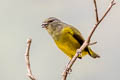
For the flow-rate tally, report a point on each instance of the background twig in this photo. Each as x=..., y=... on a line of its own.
x=92, y=43
x=27, y=60
x=85, y=44
x=96, y=11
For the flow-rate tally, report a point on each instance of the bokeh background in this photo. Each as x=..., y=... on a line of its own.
x=21, y=19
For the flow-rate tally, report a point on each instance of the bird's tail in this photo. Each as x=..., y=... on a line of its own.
x=92, y=53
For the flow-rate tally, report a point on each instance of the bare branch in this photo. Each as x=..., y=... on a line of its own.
x=96, y=25
x=96, y=11
x=29, y=74
x=92, y=43
x=85, y=44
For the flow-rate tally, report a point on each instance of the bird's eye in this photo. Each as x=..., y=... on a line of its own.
x=50, y=21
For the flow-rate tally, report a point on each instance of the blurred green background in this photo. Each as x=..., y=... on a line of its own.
x=21, y=19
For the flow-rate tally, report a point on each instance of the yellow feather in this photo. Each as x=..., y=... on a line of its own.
x=67, y=43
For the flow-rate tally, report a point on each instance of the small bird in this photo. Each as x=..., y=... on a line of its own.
x=67, y=37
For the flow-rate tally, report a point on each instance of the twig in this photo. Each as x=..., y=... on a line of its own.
x=85, y=44
x=96, y=25
x=29, y=74
x=96, y=11
x=92, y=43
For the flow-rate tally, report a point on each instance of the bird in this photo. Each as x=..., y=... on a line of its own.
x=67, y=38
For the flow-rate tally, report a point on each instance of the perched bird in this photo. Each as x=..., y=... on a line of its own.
x=66, y=37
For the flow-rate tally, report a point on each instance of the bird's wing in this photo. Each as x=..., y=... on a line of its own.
x=74, y=32
x=77, y=35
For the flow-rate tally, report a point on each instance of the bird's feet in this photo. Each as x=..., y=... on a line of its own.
x=79, y=53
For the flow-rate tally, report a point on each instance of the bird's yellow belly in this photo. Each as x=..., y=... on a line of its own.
x=68, y=45
x=67, y=48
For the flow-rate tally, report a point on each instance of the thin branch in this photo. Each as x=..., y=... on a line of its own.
x=96, y=25
x=29, y=72
x=85, y=44
x=96, y=11
x=92, y=43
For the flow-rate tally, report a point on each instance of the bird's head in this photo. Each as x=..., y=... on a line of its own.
x=52, y=24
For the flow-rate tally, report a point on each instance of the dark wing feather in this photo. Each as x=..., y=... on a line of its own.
x=77, y=35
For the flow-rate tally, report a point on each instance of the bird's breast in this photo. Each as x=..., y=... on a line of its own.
x=67, y=43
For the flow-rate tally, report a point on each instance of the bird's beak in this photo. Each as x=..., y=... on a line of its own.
x=44, y=25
